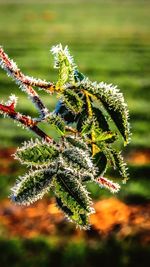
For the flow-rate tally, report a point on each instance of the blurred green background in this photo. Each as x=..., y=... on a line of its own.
x=110, y=41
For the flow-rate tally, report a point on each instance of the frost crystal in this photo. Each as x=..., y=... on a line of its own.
x=85, y=146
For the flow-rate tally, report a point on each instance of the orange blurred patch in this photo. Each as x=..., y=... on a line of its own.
x=48, y=15
x=114, y=215
x=139, y=157
x=44, y=218
x=7, y=160
x=109, y=212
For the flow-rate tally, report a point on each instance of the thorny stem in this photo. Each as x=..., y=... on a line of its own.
x=104, y=182
x=26, y=121
x=70, y=129
x=69, y=162
x=25, y=82
x=11, y=66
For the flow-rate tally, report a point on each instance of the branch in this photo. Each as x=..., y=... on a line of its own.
x=36, y=100
x=106, y=183
x=70, y=129
x=27, y=121
x=12, y=70
x=25, y=82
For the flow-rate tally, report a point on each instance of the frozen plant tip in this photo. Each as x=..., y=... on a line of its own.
x=104, y=182
x=86, y=146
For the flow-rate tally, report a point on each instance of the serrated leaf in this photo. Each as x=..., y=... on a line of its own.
x=80, y=119
x=65, y=63
x=87, y=127
x=64, y=72
x=113, y=102
x=57, y=121
x=32, y=186
x=78, y=76
x=78, y=157
x=64, y=208
x=64, y=112
x=77, y=142
x=72, y=101
x=72, y=186
x=105, y=136
x=120, y=164
x=73, y=196
x=37, y=154
x=100, y=118
x=100, y=160
x=107, y=151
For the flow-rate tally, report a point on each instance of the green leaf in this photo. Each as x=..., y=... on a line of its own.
x=78, y=76
x=38, y=153
x=87, y=127
x=105, y=136
x=100, y=118
x=65, y=63
x=86, y=176
x=72, y=101
x=32, y=186
x=81, y=118
x=107, y=151
x=64, y=208
x=63, y=74
x=77, y=142
x=73, y=196
x=58, y=122
x=78, y=158
x=100, y=160
x=120, y=164
x=113, y=102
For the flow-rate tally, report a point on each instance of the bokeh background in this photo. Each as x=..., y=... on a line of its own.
x=110, y=40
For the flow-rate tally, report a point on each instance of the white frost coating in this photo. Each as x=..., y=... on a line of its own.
x=23, y=81
x=61, y=54
x=12, y=100
x=106, y=183
x=111, y=94
x=29, y=145
x=35, y=191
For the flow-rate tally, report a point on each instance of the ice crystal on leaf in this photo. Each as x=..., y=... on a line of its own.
x=86, y=146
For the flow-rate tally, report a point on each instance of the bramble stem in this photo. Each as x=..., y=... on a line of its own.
x=16, y=73
x=25, y=120
x=104, y=182
x=25, y=82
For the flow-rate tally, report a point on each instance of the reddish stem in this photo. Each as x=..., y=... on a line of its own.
x=16, y=73
x=26, y=121
x=104, y=182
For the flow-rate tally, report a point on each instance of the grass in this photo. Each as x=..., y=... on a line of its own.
x=42, y=252
x=109, y=40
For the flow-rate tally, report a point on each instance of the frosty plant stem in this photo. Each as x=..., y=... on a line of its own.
x=26, y=121
x=86, y=146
